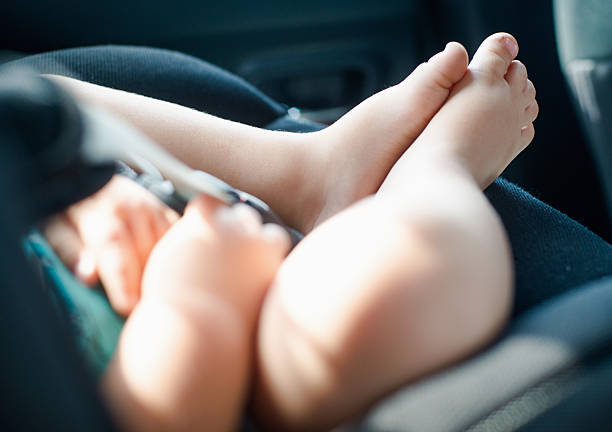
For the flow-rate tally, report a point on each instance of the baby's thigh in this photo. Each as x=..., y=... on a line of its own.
x=361, y=306
x=346, y=282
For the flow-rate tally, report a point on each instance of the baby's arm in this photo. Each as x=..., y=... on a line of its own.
x=185, y=353
x=278, y=167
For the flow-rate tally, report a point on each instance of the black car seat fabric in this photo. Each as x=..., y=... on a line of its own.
x=553, y=254
x=584, y=36
x=45, y=385
x=162, y=74
x=57, y=174
x=546, y=357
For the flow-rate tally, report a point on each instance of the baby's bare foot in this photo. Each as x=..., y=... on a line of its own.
x=360, y=148
x=486, y=122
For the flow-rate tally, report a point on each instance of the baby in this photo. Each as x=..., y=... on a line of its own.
x=405, y=267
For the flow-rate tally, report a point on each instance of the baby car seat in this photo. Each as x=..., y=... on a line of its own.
x=550, y=370
x=45, y=385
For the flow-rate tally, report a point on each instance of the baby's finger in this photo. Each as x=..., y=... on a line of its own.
x=85, y=269
x=65, y=240
x=170, y=215
x=143, y=233
x=162, y=221
x=120, y=272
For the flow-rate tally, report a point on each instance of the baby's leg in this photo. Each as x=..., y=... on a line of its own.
x=184, y=357
x=406, y=281
x=362, y=146
x=296, y=174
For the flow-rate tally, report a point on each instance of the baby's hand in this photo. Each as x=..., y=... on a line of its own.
x=219, y=253
x=109, y=237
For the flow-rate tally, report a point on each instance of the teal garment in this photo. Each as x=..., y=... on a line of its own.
x=97, y=326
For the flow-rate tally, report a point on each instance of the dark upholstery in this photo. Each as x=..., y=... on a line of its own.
x=552, y=253
x=162, y=74
x=45, y=385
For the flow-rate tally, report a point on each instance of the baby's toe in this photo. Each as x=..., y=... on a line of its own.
x=529, y=91
x=495, y=54
x=527, y=134
x=517, y=76
x=531, y=112
x=448, y=66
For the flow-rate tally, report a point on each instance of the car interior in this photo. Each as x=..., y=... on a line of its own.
x=551, y=369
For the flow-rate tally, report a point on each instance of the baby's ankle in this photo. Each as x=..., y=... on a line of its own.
x=310, y=179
